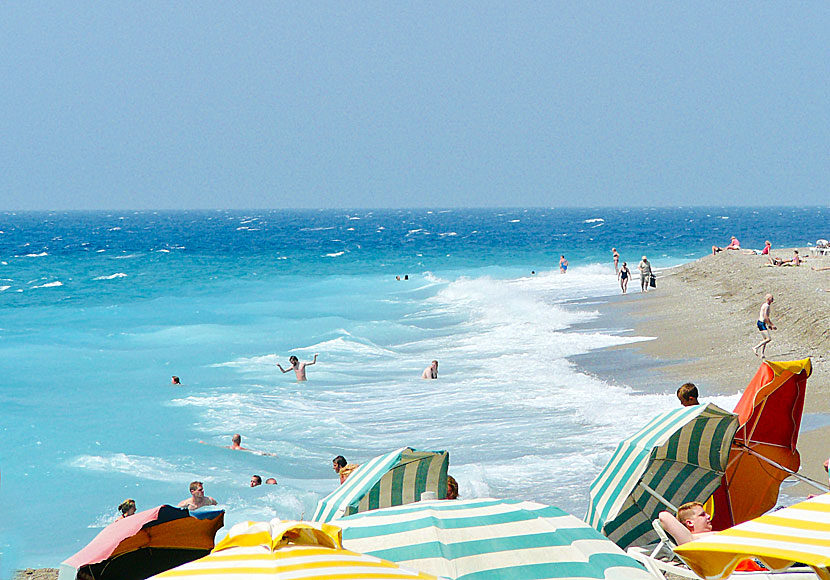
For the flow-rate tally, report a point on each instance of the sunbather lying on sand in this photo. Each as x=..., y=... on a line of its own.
x=794, y=261
x=733, y=245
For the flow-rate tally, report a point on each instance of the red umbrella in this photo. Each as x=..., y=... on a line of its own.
x=763, y=451
x=144, y=544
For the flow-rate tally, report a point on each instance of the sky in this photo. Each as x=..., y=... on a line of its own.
x=242, y=105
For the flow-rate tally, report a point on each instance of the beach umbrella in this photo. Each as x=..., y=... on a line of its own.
x=288, y=550
x=489, y=539
x=396, y=478
x=799, y=533
x=763, y=451
x=679, y=456
x=145, y=543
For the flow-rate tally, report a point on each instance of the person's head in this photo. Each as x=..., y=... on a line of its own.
x=767, y=243
x=270, y=481
x=338, y=463
x=694, y=517
x=734, y=238
x=256, y=480
x=175, y=380
x=406, y=276
x=795, y=251
x=293, y=360
x=127, y=507
x=768, y=299
x=452, y=488
x=645, y=259
x=613, y=249
x=236, y=439
x=625, y=264
x=434, y=365
x=561, y=257
x=197, y=489
x=687, y=393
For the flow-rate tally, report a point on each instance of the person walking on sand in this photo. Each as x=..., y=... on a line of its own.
x=764, y=326
x=431, y=372
x=298, y=367
x=616, y=257
x=645, y=274
x=624, y=275
x=563, y=265
x=197, y=497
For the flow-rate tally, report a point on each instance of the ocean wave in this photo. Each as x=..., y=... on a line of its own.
x=4, y=288
x=40, y=255
x=49, y=285
x=334, y=254
x=111, y=276
x=514, y=221
x=450, y=234
x=320, y=229
x=593, y=220
x=141, y=466
x=125, y=257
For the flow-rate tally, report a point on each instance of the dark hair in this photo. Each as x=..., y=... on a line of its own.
x=452, y=488
x=293, y=359
x=125, y=506
x=339, y=460
x=258, y=478
x=195, y=484
x=687, y=391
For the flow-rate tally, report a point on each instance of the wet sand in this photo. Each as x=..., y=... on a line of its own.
x=702, y=317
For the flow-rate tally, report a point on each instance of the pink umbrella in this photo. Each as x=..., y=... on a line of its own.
x=144, y=544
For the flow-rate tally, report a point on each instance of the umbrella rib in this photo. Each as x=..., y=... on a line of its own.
x=659, y=497
x=803, y=478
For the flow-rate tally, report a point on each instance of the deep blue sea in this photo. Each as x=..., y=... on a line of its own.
x=98, y=311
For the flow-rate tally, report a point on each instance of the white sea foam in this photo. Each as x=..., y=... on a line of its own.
x=143, y=467
x=335, y=254
x=111, y=276
x=593, y=220
x=514, y=221
x=40, y=255
x=4, y=288
x=49, y=285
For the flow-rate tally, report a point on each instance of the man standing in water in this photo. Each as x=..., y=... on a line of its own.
x=431, y=372
x=298, y=367
x=764, y=326
x=197, y=497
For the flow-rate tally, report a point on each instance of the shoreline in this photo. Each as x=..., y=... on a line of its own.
x=701, y=320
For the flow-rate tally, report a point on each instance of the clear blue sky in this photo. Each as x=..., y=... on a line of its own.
x=406, y=104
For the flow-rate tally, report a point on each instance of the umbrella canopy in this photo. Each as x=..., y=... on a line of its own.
x=769, y=415
x=489, y=539
x=677, y=457
x=396, y=478
x=799, y=533
x=288, y=550
x=145, y=543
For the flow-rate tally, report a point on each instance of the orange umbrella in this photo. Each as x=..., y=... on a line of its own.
x=763, y=451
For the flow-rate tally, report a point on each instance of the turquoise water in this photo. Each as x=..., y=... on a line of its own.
x=98, y=310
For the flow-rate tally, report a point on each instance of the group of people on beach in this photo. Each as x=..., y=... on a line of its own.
x=647, y=278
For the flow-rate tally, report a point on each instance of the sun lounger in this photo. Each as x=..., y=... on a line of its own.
x=822, y=248
x=661, y=560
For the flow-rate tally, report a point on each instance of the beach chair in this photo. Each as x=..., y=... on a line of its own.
x=672, y=564
x=822, y=248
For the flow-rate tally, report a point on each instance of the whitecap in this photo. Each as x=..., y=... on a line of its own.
x=49, y=285
x=354, y=218
x=164, y=251
x=140, y=466
x=321, y=229
x=514, y=221
x=593, y=220
x=335, y=254
x=40, y=255
x=115, y=229
x=111, y=276
x=4, y=288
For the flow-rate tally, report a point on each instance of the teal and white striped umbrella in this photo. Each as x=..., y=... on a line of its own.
x=489, y=539
x=397, y=478
x=677, y=457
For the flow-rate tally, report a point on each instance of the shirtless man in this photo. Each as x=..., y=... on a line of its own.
x=236, y=443
x=197, y=497
x=298, y=367
x=764, y=326
x=692, y=522
x=431, y=372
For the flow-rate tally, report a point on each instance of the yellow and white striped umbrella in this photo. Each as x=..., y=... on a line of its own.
x=288, y=550
x=799, y=533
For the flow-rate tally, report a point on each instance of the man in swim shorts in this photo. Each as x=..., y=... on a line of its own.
x=563, y=264
x=764, y=326
x=298, y=367
x=197, y=497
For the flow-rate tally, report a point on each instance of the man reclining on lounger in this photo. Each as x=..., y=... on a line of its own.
x=692, y=522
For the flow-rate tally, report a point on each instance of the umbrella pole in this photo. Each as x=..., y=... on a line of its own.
x=659, y=497
x=798, y=476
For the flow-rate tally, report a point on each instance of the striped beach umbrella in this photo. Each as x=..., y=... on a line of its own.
x=396, y=478
x=799, y=533
x=679, y=456
x=489, y=539
x=288, y=550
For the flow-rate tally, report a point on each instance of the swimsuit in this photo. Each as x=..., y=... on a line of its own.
x=623, y=275
x=761, y=325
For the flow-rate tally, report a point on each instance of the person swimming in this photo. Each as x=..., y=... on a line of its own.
x=298, y=367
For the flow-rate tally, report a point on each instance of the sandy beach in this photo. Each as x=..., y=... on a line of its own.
x=702, y=317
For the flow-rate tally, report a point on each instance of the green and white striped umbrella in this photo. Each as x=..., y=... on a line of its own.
x=489, y=539
x=677, y=457
x=396, y=478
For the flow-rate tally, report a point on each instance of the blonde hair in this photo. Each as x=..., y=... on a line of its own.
x=686, y=510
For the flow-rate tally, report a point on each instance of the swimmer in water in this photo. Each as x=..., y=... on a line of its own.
x=298, y=367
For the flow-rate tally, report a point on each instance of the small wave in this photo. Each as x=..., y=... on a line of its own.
x=40, y=255
x=321, y=229
x=164, y=251
x=115, y=229
x=514, y=221
x=152, y=468
x=335, y=254
x=49, y=285
x=246, y=228
x=124, y=257
x=593, y=220
x=448, y=234
x=354, y=218
x=4, y=288
x=111, y=276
